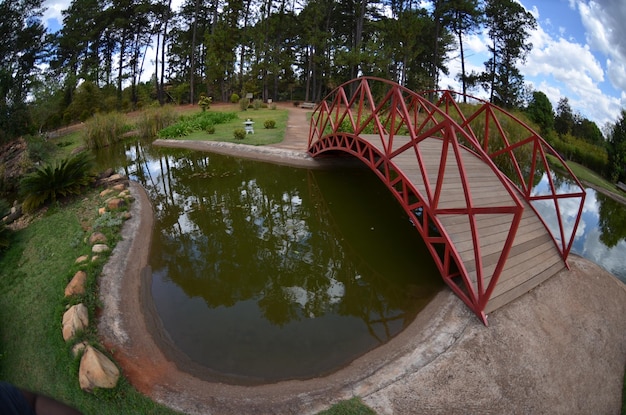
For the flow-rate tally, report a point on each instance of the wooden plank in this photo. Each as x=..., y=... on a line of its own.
x=533, y=257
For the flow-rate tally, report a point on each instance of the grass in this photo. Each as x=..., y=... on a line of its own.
x=33, y=274
x=261, y=136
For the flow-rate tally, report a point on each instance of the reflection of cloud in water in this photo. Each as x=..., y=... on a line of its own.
x=334, y=294
x=611, y=259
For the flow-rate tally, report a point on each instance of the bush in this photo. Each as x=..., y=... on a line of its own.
x=204, y=102
x=47, y=183
x=269, y=124
x=5, y=237
x=204, y=121
x=102, y=130
x=239, y=133
x=38, y=148
x=234, y=98
x=154, y=120
x=244, y=103
x=272, y=106
x=256, y=104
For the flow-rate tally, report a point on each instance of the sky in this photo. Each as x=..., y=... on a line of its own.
x=579, y=52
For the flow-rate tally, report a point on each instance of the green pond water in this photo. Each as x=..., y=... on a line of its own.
x=264, y=272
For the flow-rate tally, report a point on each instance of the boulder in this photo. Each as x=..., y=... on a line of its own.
x=102, y=211
x=81, y=259
x=119, y=187
x=77, y=285
x=97, y=371
x=115, y=203
x=106, y=192
x=78, y=348
x=97, y=237
x=99, y=248
x=74, y=320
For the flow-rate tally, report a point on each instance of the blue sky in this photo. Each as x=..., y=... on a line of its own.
x=579, y=52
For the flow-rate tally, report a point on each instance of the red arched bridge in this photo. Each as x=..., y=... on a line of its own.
x=467, y=176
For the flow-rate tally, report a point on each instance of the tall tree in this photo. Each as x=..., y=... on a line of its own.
x=540, y=111
x=564, y=119
x=509, y=27
x=466, y=18
x=616, y=149
x=21, y=48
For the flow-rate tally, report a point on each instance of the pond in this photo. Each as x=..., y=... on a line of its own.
x=264, y=272
x=601, y=234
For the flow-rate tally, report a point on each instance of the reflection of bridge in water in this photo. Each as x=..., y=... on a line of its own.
x=464, y=177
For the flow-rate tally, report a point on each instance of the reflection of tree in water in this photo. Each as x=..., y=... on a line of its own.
x=232, y=230
x=612, y=220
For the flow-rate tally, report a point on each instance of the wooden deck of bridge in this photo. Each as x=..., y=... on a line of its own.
x=533, y=257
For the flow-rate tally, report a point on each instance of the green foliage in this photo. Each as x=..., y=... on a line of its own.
x=38, y=148
x=589, y=155
x=5, y=237
x=256, y=104
x=202, y=121
x=244, y=103
x=353, y=406
x=269, y=124
x=234, y=98
x=617, y=150
x=47, y=183
x=154, y=120
x=107, y=220
x=102, y=130
x=205, y=102
x=239, y=133
x=540, y=111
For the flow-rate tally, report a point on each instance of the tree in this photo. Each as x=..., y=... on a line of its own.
x=466, y=18
x=564, y=120
x=616, y=149
x=540, y=111
x=509, y=27
x=21, y=48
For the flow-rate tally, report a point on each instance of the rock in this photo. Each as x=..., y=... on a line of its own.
x=107, y=173
x=106, y=192
x=81, y=259
x=99, y=248
x=124, y=194
x=78, y=348
x=126, y=215
x=102, y=211
x=97, y=237
x=119, y=187
x=115, y=203
x=97, y=371
x=74, y=320
x=77, y=284
x=95, y=258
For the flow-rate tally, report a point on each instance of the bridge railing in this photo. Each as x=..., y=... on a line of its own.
x=391, y=114
x=526, y=159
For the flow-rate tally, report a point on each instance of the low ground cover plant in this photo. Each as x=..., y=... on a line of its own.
x=203, y=121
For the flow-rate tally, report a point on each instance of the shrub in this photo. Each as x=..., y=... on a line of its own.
x=5, y=236
x=103, y=130
x=47, y=183
x=244, y=103
x=210, y=129
x=204, y=102
x=272, y=106
x=204, y=121
x=269, y=124
x=38, y=148
x=239, y=133
x=155, y=119
x=256, y=104
x=234, y=98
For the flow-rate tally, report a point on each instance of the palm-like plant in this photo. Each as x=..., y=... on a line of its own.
x=47, y=183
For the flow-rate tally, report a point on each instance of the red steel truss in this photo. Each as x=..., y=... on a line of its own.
x=400, y=120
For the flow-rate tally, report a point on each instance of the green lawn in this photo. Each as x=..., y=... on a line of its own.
x=261, y=136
